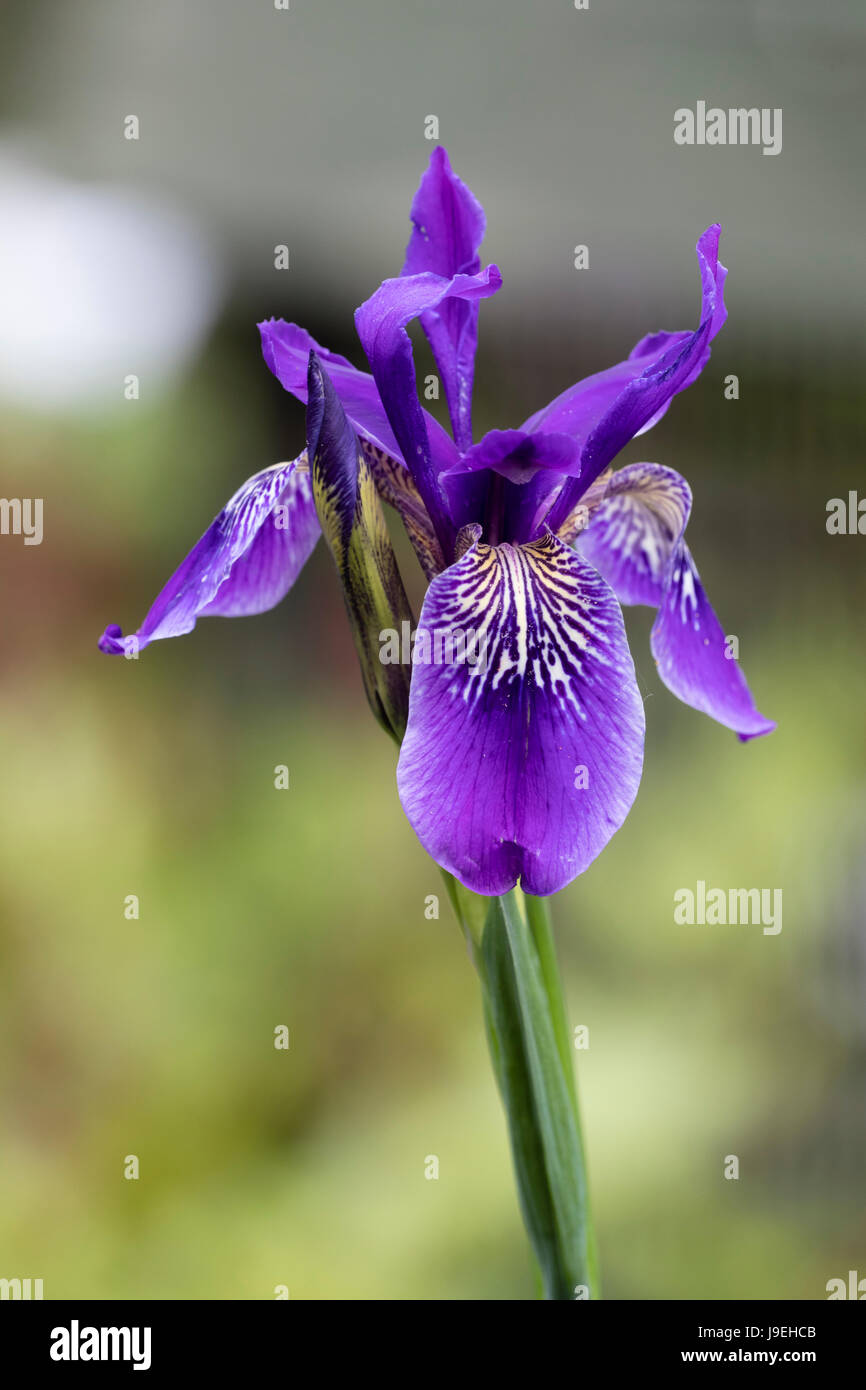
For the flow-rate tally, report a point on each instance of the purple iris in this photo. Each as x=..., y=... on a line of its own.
x=522, y=767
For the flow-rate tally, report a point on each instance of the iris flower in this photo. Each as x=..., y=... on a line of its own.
x=518, y=769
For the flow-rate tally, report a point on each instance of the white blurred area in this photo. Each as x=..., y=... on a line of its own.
x=97, y=282
x=305, y=127
x=264, y=130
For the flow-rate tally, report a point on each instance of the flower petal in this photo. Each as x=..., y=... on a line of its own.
x=518, y=454
x=381, y=322
x=246, y=561
x=693, y=658
x=606, y=411
x=532, y=465
x=579, y=517
x=286, y=349
x=635, y=540
x=524, y=765
x=634, y=528
x=448, y=226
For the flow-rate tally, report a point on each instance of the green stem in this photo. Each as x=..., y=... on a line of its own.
x=512, y=946
x=538, y=917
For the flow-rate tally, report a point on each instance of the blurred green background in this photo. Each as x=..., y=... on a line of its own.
x=305, y=907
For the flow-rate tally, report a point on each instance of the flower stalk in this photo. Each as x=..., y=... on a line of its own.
x=512, y=946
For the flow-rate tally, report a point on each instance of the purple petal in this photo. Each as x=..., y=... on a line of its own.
x=447, y=230
x=634, y=529
x=635, y=540
x=286, y=349
x=448, y=223
x=578, y=409
x=531, y=464
x=524, y=765
x=246, y=561
x=381, y=322
x=579, y=517
x=518, y=454
x=690, y=648
x=606, y=411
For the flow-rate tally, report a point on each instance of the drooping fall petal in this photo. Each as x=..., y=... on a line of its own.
x=694, y=656
x=635, y=540
x=246, y=561
x=523, y=764
x=633, y=530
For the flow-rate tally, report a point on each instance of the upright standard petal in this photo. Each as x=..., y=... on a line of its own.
x=606, y=411
x=246, y=561
x=521, y=764
x=578, y=409
x=448, y=226
x=382, y=321
x=635, y=540
x=286, y=349
x=356, y=535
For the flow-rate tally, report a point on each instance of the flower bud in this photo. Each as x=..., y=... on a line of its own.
x=354, y=528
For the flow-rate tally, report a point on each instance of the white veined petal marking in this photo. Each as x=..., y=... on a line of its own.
x=533, y=627
x=645, y=511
